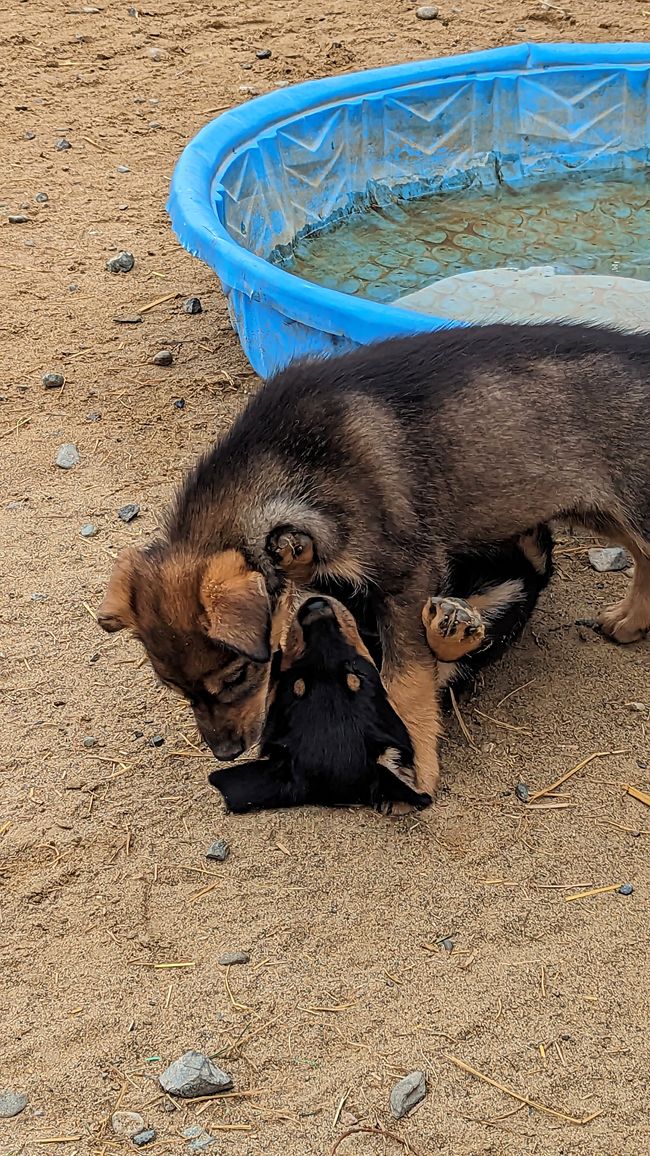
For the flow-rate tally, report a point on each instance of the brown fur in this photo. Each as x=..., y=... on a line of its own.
x=388, y=460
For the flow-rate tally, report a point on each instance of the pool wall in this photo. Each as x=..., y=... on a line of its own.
x=284, y=163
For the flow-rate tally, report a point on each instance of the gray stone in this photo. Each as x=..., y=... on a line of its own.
x=427, y=12
x=38, y=597
x=11, y=1103
x=128, y=319
x=610, y=558
x=625, y=889
x=219, y=850
x=123, y=169
x=88, y=530
x=264, y=54
x=127, y=1123
x=67, y=456
x=128, y=513
x=406, y=1094
x=62, y=145
x=198, y=1137
x=637, y=707
x=18, y=218
x=194, y=1074
x=53, y=380
x=156, y=741
x=29, y=135
x=193, y=305
x=522, y=792
x=121, y=263
x=42, y=198
x=144, y=1137
x=163, y=357
x=234, y=957
x=89, y=742
x=156, y=54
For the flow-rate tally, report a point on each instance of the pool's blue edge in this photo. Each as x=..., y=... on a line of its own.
x=202, y=234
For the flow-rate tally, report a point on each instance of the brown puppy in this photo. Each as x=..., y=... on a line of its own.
x=370, y=470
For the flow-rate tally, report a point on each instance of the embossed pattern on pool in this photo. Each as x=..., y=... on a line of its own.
x=582, y=224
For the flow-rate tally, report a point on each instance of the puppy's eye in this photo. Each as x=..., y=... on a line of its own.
x=299, y=687
x=237, y=678
x=353, y=681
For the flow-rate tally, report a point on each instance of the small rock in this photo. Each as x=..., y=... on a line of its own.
x=144, y=1137
x=121, y=263
x=156, y=741
x=406, y=1094
x=156, y=54
x=53, y=380
x=163, y=357
x=67, y=456
x=447, y=944
x=248, y=90
x=36, y=597
x=522, y=792
x=18, y=218
x=127, y=1123
x=193, y=305
x=88, y=530
x=625, y=889
x=11, y=1103
x=219, y=850
x=42, y=198
x=194, y=1074
x=198, y=1137
x=427, y=12
x=62, y=145
x=637, y=707
x=93, y=417
x=609, y=559
x=123, y=169
x=264, y=54
x=89, y=742
x=129, y=512
x=29, y=136
x=128, y=319
x=179, y=403
x=234, y=957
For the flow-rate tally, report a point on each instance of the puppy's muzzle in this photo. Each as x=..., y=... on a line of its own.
x=315, y=610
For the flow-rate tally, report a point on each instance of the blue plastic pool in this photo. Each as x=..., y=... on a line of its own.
x=274, y=170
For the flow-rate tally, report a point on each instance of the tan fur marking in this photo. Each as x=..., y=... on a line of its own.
x=529, y=545
x=115, y=612
x=236, y=603
x=391, y=760
x=353, y=681
x=299, y=687
x=413, y=693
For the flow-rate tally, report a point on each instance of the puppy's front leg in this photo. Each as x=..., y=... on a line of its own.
x=409, y=675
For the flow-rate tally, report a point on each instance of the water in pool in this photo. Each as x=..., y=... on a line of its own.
x=580, y=225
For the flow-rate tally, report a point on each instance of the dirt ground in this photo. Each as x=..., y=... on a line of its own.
x=103, y=869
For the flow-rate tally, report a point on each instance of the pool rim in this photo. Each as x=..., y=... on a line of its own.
x=193, y=190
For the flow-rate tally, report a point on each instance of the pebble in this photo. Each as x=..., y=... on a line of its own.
x=88, y=530
x=522, y=792
x=219, y=850
x=89, y=742
x=18, y=218
x=121, y=263
x=144, y=1137
x=29, y=136
x=426, y=12
x=193, y=305
x=123, y=169
x=179, y=403
x=194, y=1074
x=42, y=198
x=638, y=707
x=62, y=145
x=264, y=54
x=198, y=1137
x=67, y=456
x=53, y=380
x=127, y=1123
x=128, y=319
x=407, y=1094
x=36, y=597
x=625, y=889
x=128, y=513
x=156, y=54
x=74, y=288
x=156, y=741
x=93, y=417
x=11, y=1103
x=609, y=559
x=234, y=957
x=163, y=357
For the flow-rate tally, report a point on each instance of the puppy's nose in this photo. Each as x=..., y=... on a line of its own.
x=313, y=610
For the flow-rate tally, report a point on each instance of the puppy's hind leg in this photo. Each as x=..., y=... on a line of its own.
x=629, y=619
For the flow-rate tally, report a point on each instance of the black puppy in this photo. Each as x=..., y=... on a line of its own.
x=331, y=737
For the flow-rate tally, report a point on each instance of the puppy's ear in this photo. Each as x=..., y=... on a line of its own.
x=236, y=606
x=117, y=611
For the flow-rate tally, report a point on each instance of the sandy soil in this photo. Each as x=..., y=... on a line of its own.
x=102, y=848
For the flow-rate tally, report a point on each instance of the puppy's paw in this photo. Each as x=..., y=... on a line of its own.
x=623, y=622
x=453, y=628
x=292, y=552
